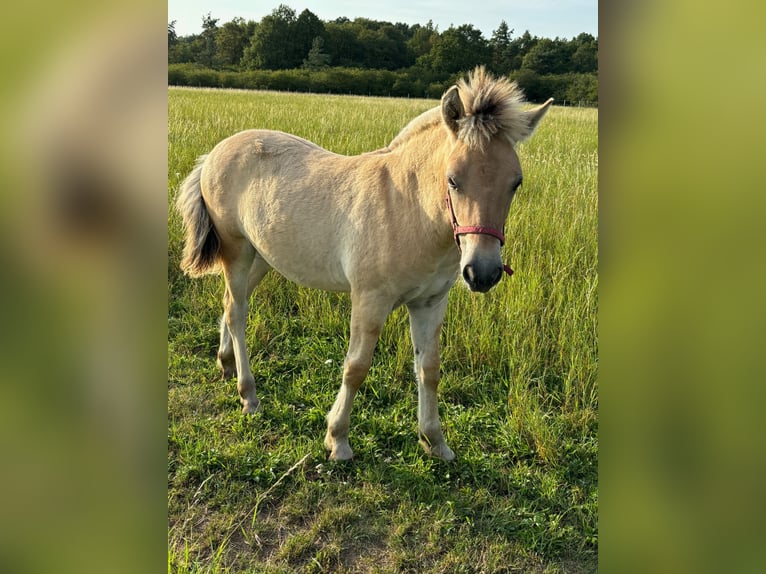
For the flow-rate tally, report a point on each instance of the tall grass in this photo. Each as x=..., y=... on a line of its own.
x=518, y=397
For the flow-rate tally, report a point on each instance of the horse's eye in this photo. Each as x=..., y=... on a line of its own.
x=517, y=184
x=451, y=183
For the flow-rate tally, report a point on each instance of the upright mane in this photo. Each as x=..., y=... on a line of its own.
x=424, y=121
x=493, y=106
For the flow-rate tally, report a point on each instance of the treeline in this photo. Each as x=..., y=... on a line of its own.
x=300, y=52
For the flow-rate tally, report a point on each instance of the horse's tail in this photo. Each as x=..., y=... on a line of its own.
x=203, y=245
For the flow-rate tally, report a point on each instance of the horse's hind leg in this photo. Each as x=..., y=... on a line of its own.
x=226, y=359
x=236, y=269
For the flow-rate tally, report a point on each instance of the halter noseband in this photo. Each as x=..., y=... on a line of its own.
x=458, y=230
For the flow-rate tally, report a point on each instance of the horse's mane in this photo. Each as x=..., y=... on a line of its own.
x=422, y=122
x=493, y=106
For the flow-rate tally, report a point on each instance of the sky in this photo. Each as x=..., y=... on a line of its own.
x=543, y=18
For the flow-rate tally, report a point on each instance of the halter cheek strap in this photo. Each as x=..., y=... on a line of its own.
x=458, y=230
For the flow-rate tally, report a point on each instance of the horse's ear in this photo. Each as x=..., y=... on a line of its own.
x=532, y=118
x=452, y=108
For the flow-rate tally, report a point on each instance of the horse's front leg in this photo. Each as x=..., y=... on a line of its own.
x=368, y=313
x=425, y=326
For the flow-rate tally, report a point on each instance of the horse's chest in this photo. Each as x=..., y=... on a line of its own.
x=430, y=290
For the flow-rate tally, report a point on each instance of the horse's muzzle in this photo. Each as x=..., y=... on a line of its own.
x=480, y=277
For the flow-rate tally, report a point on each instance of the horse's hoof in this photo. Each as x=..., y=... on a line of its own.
x=441, y=451
x=445, y=453
x=338, y=450
x=251, y=407
x=342, y=454
x=227, y=372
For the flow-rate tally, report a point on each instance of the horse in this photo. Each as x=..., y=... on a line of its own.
x=393, y=227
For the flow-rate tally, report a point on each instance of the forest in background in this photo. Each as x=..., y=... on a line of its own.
x=299, y=52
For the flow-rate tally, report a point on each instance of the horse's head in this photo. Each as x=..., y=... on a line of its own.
x=482, y=171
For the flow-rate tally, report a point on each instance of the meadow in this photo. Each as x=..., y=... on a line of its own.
x=518, y=395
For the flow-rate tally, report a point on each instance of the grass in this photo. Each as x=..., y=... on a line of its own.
x=518, y=399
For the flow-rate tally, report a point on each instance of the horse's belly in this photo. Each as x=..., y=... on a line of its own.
x=307, y=266
x=315, y=278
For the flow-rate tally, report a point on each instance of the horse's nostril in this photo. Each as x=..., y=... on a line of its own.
x=468, y=274
x=482, y=279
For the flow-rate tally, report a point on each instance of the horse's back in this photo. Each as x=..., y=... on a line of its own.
x=254, y=153
x=256, y=169
x=285, y=195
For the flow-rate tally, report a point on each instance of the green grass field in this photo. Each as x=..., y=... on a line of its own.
x=518, y=398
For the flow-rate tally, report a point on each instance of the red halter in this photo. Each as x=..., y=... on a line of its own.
x=458, y=230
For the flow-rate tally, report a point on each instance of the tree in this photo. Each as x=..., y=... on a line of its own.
x=548, y=57
x=172, y=36
x=383, y=47
x=317, y=57
x=306, y=29
x=520, y=46
x=271, y=45
x=457, y=50
x=396, y=54
x=503, y=55
x=585, y=56
x=231, y=40
x=209, y=30
x=583, y=88
x=422, y=39
x=425, y=61
x=529, y=81
x=342, y=43
x=183, y=49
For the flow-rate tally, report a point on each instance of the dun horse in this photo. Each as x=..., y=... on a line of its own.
x=382, y=226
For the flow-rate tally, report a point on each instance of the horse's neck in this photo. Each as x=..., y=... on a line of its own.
x=421, y=158
x=423, y=122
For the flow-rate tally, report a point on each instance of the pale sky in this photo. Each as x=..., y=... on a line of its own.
x=543, y=18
